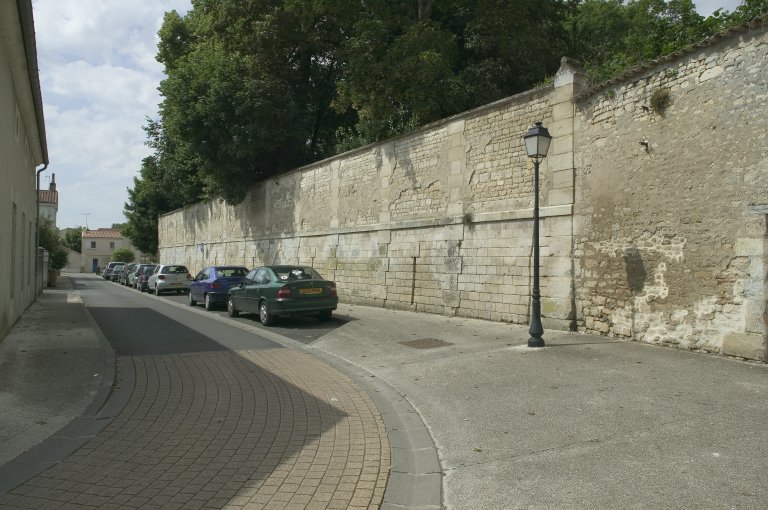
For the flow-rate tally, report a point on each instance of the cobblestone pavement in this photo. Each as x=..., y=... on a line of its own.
x=267, y=428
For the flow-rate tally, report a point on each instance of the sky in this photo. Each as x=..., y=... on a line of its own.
x=99, y=80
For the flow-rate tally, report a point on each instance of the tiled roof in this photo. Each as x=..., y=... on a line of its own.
x=48, y=196
x=106, y=233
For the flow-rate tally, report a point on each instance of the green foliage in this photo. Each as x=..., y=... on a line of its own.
x=72, y=239
x=123, y=255
x=50, y=241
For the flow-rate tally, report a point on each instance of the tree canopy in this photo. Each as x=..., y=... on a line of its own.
x=52, y=242
x=72, y=239
x=123, y=255
x=258, y=87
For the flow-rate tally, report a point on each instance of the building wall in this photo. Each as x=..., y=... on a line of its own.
x=102, y=252
x=18, y=200
x=664, y=245
x=48, y=211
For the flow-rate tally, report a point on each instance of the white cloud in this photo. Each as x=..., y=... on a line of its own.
x=99, y=81
x=707, y=7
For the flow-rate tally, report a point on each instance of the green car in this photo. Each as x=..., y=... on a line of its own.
x=275, y=291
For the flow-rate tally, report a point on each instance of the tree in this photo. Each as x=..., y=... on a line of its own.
x=123, y=255
x=51, y=242
x=72, y=239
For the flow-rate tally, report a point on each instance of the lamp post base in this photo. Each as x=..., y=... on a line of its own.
x=535, y=342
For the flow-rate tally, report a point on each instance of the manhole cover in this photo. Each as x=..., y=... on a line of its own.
x=426, y=343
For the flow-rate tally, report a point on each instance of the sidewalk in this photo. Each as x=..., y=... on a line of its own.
x=587, y=422
x=54, y=368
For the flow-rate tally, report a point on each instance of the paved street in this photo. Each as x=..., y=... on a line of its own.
x=217, y=418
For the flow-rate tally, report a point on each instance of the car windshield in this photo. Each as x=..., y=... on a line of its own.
x=149, y=270
x=227, y=272
x=296, y=273
x=174, y=270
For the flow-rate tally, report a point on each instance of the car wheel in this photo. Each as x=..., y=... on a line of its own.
x=231, y=310
x=190, y=301
x=208, y=303
x=325, y=315
x=266, y=318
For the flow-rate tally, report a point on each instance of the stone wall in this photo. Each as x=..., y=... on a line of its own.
x=671, y=238
x=653, y=220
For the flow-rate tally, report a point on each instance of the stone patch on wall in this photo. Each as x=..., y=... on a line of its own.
x=662, y=203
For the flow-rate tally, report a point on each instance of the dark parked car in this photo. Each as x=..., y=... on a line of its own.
x=122, y=279
x=212, y=284
x=116, y=272
x=143, y=276
x=107, y=273
x=283, y=290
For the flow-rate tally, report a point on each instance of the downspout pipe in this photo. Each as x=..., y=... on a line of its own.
x=38, y=269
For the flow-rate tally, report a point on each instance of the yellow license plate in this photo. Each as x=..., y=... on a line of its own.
x=310, y=291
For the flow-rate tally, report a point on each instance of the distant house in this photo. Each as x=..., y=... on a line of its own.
x=22, y=148
x=48, y=201
x=97, y=246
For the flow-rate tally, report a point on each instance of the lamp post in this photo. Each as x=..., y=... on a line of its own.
x=536, y=146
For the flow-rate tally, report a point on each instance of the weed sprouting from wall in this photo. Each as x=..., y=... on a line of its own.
x=660, y=100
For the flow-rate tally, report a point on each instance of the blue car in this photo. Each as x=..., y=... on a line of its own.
x=212, y=284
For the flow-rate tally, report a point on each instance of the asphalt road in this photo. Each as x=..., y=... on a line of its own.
x=304, y=329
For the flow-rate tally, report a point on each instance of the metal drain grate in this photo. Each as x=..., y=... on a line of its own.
x=426, y=343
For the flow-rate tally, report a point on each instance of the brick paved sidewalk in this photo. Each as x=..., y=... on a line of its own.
x=268, y=428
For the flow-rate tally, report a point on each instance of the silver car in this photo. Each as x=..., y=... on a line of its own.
x=169, y=278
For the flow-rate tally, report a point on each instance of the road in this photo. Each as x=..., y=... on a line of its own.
x=214, y=415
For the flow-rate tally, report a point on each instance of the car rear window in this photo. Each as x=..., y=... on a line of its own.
x=174, y=270
x=297, y=273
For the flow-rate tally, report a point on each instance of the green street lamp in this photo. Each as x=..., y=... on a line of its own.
x=536, y=146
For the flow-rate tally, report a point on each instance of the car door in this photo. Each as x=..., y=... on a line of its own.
x=264, y=281
x=197, y=288
x=241, y=296
x=153, y=277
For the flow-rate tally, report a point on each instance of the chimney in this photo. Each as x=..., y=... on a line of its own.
x=52, y=187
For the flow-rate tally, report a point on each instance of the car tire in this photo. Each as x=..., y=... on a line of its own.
x=208, y=303
x=190, y=301
x=325, y=315
x=231, y=310
x=267, y=319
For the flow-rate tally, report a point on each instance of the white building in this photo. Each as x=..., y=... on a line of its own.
x=97, y=246
x=23, y=148
x=48, y=201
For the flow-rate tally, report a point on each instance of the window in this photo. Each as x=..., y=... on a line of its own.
x=17, y=128
x=111, y=245
x=262, y=277
x=13, y=252
x=93, y=245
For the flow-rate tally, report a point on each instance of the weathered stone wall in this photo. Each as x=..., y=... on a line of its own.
x=671, y=239
x=437, y=221
x=663, y=241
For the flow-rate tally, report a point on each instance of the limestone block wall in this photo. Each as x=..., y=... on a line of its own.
x=670, y=201
x=654, y=198
x=419, y=222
